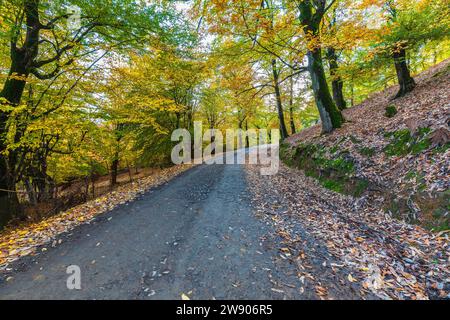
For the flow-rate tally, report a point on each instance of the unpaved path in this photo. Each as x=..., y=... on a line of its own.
x=196, y=235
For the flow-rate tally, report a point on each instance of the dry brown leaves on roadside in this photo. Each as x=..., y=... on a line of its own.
x=388, y=258
x=24, y=241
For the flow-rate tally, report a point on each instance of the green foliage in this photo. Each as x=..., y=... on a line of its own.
x=391, y=111
x=333, y=185
x=415, y=24
x=74, y=119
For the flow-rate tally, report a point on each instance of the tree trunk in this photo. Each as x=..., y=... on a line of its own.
x=130, y=175
x=406, y=82
x=336, y=81
x=291, y=107
x=12, y=92
x=21, y=61
x=14, y=87
x=213, y=140
x=352, y=94
x=9, y=202
x=114, y=170
x=330, y=115
x=283, y=129
x=5, y=213
x=93, y=186
x=247, y=138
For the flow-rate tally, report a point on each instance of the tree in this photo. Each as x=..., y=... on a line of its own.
x=253, y=27
x=291, y=106
x=235, y=74
x=312, y=13
x=408, y=25
x=276, y=84
x=337, y=84
x=151, y=96
x=43, y=45
x=405, y=81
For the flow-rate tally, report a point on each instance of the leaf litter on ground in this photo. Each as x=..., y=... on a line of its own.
x=388, y=258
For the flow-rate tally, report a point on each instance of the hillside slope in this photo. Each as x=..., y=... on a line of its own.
x=399, y=160
x=341, y=203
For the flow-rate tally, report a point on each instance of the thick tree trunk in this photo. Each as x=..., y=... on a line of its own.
x=330, y=115
x=336, y=82
x=213, y=143
x=9, y=203
x=14, y=87
x=311, y=19
x=12, y=93
x=406, y=82
x=22, y=59
x=283, y=129
x=21, y=63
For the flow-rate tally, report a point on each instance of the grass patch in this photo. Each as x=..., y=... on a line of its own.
x=403, y=143
x=333, y=185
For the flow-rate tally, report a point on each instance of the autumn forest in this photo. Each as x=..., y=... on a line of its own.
x=92, y=90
